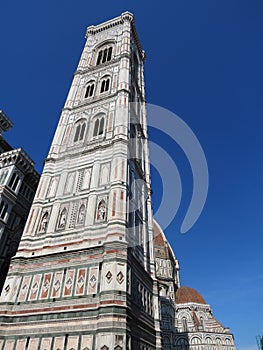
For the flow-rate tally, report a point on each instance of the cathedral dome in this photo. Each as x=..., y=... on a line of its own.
x=161, y=244
x=159, y=237
x=188, y=295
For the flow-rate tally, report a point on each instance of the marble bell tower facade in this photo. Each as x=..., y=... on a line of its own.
x=83, y=277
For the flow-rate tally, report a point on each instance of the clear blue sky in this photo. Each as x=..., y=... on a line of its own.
x=204, y=63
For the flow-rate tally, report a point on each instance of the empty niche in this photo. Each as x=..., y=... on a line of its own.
x=69, y=183
x=86, y=179
x=52, y=187
x=104, y=174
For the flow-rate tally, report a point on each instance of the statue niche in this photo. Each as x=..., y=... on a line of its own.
x=62, y=219
x=44, y=222
x=101, y=211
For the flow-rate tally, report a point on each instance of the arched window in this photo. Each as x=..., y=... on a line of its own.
x=98, y=126
x=104, y=55
x=77, y=132
x=182, y=344
x=80, y=129
x=90, y=89
x=105, y=85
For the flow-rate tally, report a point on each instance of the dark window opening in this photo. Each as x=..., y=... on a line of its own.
x=98, y=127
x=14, y=181
x=105, y=85
x=3, y=210
x=77, y=133
x=101, y=126
x=89, y=90
x=80, y=132
x=104, y=55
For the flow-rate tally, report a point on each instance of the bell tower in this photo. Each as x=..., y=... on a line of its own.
x=83, y=277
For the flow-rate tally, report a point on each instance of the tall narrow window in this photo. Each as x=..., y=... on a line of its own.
x=98, y=126
x=101, y=129
x=104, y=55
x=3, y=210
x=80, y=129
x=14, y=181
x=76, y=138
x=89, y=89
x=99, y=59
x=105, y=85
x=83, y=127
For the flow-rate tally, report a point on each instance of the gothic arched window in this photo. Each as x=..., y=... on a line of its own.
x=98, y=126
x=105, y=85
x=80, y=129
x=90, y=89
x=104, y=55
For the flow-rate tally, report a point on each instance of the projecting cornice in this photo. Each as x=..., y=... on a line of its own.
x=125, y=16
x=19, y=158
x=5, y=122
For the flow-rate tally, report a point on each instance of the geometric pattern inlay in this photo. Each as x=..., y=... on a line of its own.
x=109, y=276
x=120, y=277
x=93, y=280
x=57, y=285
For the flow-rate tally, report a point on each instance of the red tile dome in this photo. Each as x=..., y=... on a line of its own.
x=188, y=295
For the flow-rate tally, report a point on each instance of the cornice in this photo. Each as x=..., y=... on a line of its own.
x=19, y=158
x=94, y=29
x=5, y=122
x=124, y=17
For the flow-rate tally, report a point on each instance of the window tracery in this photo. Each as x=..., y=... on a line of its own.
x=99, y=126
x=90, y=89
x=80, y=129
x=104, y=55
x=105, y=85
